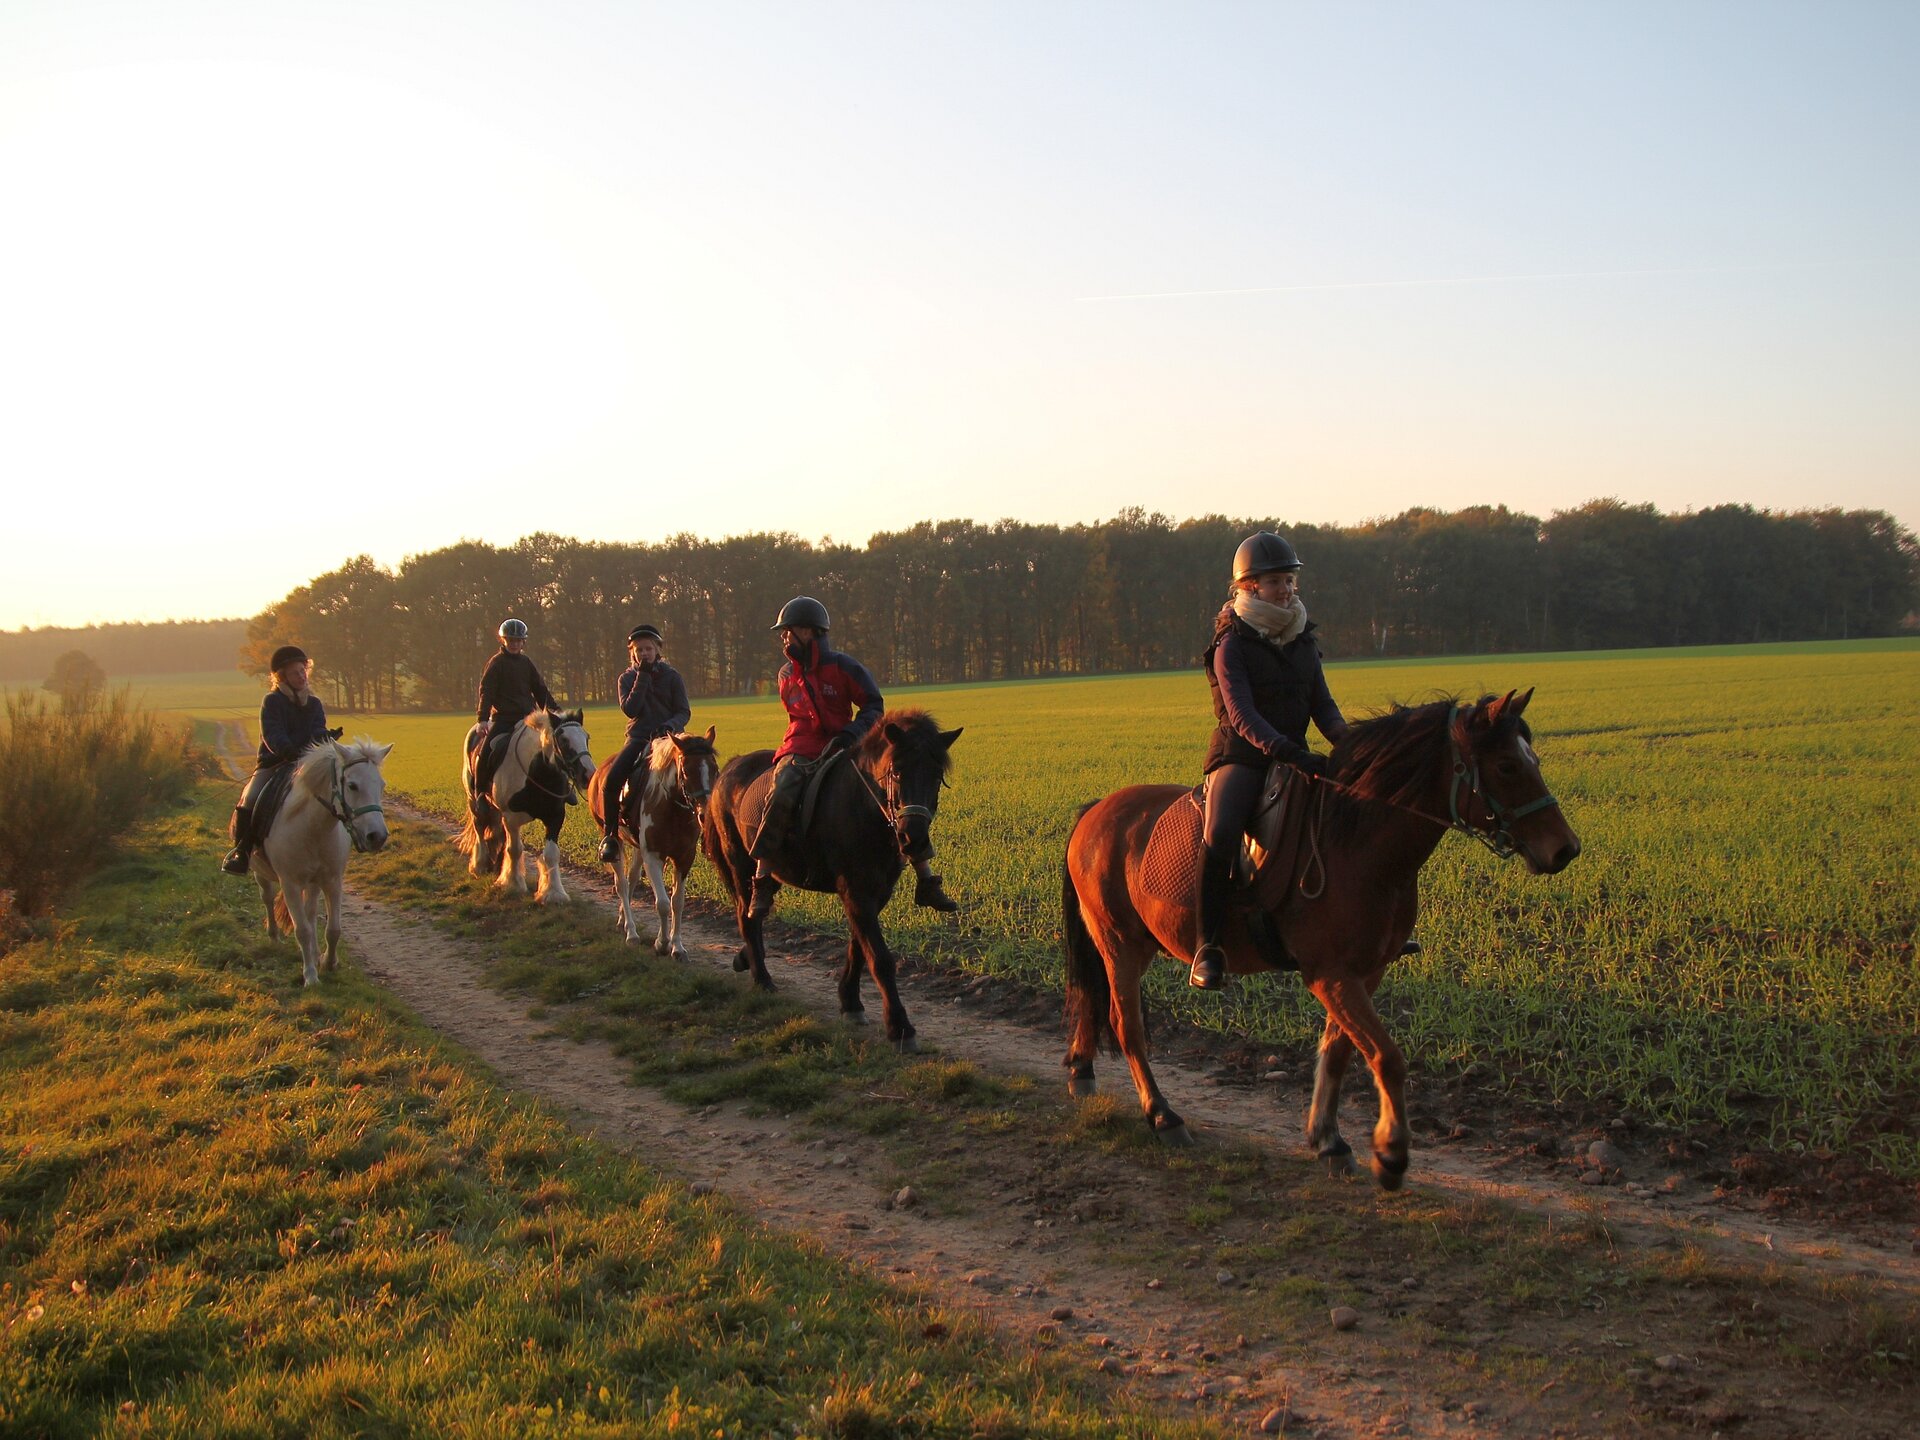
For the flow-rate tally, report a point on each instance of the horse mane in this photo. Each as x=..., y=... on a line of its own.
x=920, y=739
x=312, y=771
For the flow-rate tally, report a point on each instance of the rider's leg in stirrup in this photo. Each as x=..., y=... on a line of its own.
x=927, y=889
x=239, y=859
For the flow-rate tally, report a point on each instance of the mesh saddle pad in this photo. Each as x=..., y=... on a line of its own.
x=273, y=795
x=1266, y=873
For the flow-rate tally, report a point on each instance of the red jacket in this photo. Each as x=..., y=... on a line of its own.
x=821, y=697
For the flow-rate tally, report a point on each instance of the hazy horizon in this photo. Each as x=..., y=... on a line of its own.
x=373, y=277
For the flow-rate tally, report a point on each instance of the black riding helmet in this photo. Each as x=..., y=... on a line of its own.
x=646, y=632
x=802, y=610
x=285, y=656
x=1261, y=553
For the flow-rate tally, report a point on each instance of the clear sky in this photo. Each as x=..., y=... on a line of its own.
x=285, y=282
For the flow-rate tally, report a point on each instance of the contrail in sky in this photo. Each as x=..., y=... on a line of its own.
x=1482, y=280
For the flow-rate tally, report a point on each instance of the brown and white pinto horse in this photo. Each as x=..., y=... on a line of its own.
x=1398, y=783
x=666, y=801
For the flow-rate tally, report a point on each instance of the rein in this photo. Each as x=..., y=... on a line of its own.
x=541, y=754
x=895, y=815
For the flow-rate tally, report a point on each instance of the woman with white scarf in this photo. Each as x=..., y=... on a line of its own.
x=1263, y=668
x=291, y=719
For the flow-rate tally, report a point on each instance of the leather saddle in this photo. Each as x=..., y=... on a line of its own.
x=1275, y=857
x=787, y=800
x=273, y=795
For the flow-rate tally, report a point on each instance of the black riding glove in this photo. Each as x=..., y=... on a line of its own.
x=1312, y=764
x=842, y=741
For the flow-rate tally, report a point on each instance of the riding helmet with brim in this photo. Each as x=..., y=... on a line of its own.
x=513, y=629
x=646, y=632
x=802, y=610
x=1261, y=553
x=285, y=656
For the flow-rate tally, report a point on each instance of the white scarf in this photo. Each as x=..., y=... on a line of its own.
x=299, y=697
x=1276, y=624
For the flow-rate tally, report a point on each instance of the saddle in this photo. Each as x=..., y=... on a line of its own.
x=273, y=795
x=1276, y=857
x=780, y=814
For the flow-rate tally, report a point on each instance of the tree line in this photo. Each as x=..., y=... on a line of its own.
x=953, y=601
x=162, y=647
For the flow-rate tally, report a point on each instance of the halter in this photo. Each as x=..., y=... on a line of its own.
x=541, y=753
x=1499, y=838
x=336, y=801
x=895, y=814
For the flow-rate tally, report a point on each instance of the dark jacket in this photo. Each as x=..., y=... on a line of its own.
x=511, y=689
x=288, y=728
x=821, y=697
x=1264, y=695
x=654, y=700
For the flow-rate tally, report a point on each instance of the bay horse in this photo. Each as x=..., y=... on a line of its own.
x=1397, y=784
x=875, y=806
x=334, y=805
x=546, y=759
x=665, y=803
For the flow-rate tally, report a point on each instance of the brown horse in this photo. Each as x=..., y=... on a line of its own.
x=665, y=802
x=1398, y=783
x=874, y=807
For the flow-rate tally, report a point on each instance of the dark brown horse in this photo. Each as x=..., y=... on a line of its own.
x=665, y=801
x=1399, y=782
x=874, y=807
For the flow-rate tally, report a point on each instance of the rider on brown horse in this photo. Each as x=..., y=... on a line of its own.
x=291, y=719
x=819, y=688
x=653, y=697
x=510, y=690
x=1263, y=668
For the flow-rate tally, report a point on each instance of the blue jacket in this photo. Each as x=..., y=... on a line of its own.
x=654, y=700
x=287, y=729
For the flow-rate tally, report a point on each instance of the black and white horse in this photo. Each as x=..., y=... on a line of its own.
x=546, y=757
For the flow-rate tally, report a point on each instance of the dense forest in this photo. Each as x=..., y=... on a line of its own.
x=959, y=601
x=164, y=647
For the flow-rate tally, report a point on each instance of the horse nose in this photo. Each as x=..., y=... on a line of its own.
x=377, y=841
x=1564, y=857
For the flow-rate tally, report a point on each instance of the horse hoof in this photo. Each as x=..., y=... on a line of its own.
x=1338, y=1158
x=907, y=1045
x=1176, y=1135
x=854, y=1017
x=742, y=961
x=1389, y=1173
x=764, y=982
x=1080, y=1086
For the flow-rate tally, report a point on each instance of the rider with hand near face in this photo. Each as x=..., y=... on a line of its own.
x=291, y=719
x=653, y=697
x=820, y=689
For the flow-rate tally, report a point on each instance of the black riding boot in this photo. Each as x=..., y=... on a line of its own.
x=238, y=860
x=927, y=891
x=1209, y=960
x=610, y=848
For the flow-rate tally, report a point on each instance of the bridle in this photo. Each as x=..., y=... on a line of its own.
x=566, y=776
x=336, y=801
x=1497, y=835
x=684, y=798
x=891, y=809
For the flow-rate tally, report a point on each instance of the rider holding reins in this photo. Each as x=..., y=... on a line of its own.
x=1264, y=670
x=819, y=688
x=653, y=697
x=510, y=690
x=291, y=719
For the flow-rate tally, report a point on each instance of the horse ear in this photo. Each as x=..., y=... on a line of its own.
x=710, y=734
x=894, y=733
x=1520, y=704
x=947, y=737
x=385, y=750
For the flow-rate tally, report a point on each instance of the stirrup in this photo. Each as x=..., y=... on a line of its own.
x=1209, y=968
x=239, y=861
x=927, y=892
x=610, y=850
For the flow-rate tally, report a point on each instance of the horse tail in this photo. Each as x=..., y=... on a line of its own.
x=1089, y=988
x=713, y=842
x=281, y=913
x=469, y=835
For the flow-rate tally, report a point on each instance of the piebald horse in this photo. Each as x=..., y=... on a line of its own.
x=334, y=806
x=665, y=804
x=546, y=759
x=1398, y=783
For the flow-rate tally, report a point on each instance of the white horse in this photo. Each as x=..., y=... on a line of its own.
x=660, y=821
x=333, y=805
x=546, y=758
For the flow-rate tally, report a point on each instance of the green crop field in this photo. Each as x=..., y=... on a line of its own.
x=1734, y=946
